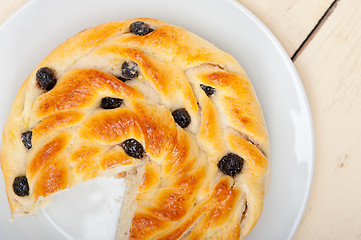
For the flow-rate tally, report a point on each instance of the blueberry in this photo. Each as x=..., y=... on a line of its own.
x=129, y=70
x=231, y=164
x=46, y=79
x=208, y=89
x=26, y=138
x=133, y=148
x=21, y=186
x=110, y=103
x=140, y=28
x=181, y=117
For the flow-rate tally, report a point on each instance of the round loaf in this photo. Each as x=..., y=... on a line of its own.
x=151, y=101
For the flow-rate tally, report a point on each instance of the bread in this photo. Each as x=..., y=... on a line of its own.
x=152, y=101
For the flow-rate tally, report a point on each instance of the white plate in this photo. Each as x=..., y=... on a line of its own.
x=29, y=35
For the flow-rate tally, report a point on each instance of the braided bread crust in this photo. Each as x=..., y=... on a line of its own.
x=176, y=190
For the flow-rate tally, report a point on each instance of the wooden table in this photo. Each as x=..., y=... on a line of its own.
x=323, y=38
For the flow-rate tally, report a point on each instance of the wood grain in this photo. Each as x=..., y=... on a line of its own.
x=330, y=67
x=290, y=20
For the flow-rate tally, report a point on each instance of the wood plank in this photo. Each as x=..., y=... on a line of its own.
x=290, y=20
x=8, y=7
x=330, y=67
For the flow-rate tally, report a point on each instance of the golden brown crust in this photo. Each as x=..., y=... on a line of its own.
x=183, y=194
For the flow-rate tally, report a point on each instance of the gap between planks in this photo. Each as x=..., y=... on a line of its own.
x=314, y=31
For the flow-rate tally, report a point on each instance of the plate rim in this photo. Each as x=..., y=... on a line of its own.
x=296, y=81
x=305, y=103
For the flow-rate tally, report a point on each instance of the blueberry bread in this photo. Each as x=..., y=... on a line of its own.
x=154, y=103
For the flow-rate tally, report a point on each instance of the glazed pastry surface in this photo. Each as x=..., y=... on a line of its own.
x=140, y=97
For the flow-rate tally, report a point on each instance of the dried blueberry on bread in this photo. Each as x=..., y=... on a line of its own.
x=148, y=99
